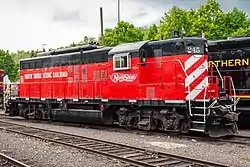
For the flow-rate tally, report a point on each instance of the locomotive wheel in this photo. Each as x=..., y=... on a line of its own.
x=38, y=115
x=13, y=112
x=184, y=126
x=153, y=124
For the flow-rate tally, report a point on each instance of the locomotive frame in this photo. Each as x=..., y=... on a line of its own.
x=149, y=85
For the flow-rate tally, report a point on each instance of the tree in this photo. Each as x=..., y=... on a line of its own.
x=176, y=19
x=152, y=32
x=216, y=24
x=8, y=64
x=209, y=18
x=236, y=20
x=242, y=32
x=124, y=32
x=22, y=54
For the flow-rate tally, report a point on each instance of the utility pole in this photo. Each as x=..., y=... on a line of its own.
x=119, y=11
x=43, y=47
x=101, y=18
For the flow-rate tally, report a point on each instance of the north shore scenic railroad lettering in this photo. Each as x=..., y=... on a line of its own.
x=61, y=74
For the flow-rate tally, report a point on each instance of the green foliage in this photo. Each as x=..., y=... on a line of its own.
x=242, y=32
x=22, y=54
x=175, y=19
x=152, y=32
x=124, y=32
x=209, y=18
x=236, y=20
x=8, y=64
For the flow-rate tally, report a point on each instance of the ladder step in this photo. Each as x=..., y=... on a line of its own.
x=200, y=107
x=199, y=115
x=144, y=122
x=197, y=130
x=198, y=122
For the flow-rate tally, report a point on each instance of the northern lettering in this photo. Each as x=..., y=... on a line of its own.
x=231, y=62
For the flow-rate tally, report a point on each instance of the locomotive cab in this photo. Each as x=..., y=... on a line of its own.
x=172, y=74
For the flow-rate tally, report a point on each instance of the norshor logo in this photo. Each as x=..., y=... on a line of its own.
x=123, y=77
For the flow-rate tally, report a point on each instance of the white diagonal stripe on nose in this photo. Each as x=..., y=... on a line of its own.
x=196, y=73
x=191, y=61
x=198, y=89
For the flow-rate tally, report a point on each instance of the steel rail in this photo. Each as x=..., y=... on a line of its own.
x=11, y=161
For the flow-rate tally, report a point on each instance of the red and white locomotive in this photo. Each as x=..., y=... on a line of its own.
x=165, y=85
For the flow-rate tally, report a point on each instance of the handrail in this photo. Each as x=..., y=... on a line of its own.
x=204, y=102
x=211, y=105
x=234, y=93
x=222, y=83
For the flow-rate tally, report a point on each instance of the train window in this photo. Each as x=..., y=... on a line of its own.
x=179, y=47
x=117, y=62
x=168, y=48
x=157, y=52
x=121, y=61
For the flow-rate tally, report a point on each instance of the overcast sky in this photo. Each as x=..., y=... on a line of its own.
x=27, y=24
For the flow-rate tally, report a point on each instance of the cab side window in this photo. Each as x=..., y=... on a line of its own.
x=121, y=61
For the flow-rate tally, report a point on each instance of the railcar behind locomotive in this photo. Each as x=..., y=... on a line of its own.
x=150, y=85
x=2, y=72
x=232, y=57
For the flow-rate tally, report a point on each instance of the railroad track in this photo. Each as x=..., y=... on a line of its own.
x=7, y=161
x=237, y=139
x=128, y=154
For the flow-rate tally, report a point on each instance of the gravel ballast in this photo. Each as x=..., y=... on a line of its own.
x=39, y=153
x=231, y=154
